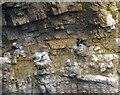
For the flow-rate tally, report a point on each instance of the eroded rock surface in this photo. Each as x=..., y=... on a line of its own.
x=53, y=27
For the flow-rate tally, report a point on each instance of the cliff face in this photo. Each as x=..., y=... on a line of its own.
x=53, y=27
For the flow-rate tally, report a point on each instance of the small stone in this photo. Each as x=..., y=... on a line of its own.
x=113, y=7
x=102, y=67
x=60, y=35
x=12, y=78
x=43, y=71
x=5, y=59
x=100, y=51
x=7, y=54
x=14, y=60
x=62, y=27
x=43, y=89
x=118, y=41
x=97, y=48
x=5, y=69
x=94, y=58
x=4, y=80
x=57, y=44
x=91, y=65
x=71, y=71
x=109, y=57
x=110, y=65
x=22, y=53
x=16, y=53
x=45, y=49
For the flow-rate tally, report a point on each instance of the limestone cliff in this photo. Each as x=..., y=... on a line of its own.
x=53, y=27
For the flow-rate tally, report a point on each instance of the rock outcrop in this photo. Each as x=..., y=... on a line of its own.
x=53, y=27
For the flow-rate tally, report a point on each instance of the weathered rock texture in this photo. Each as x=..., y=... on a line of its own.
x=53, y=27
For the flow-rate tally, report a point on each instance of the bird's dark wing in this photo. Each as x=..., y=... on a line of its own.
x=81, y=41
x=78, y=43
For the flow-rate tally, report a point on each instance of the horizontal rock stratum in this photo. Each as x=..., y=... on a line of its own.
x=80, y=39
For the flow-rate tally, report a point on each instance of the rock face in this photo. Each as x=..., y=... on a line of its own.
x=56, y=83
x=53, y=27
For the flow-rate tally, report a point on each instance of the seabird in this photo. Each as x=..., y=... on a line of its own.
x=17, y=45
x=68, y=62
x=38, y=58
x=79, y=42
x=110, y=21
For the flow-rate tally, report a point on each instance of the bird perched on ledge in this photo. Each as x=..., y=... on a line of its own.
x=38, y=58
x=17, y=45
x=68, y=62
x=79, y=42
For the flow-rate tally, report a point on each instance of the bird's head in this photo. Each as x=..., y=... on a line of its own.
x=77, y=39
x=68, y=61
x=14, y=43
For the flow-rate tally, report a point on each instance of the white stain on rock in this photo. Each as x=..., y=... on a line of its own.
x=97, y=48
x=5, y=59
x=99, y=78
x=110, y=21
x=118, y=41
